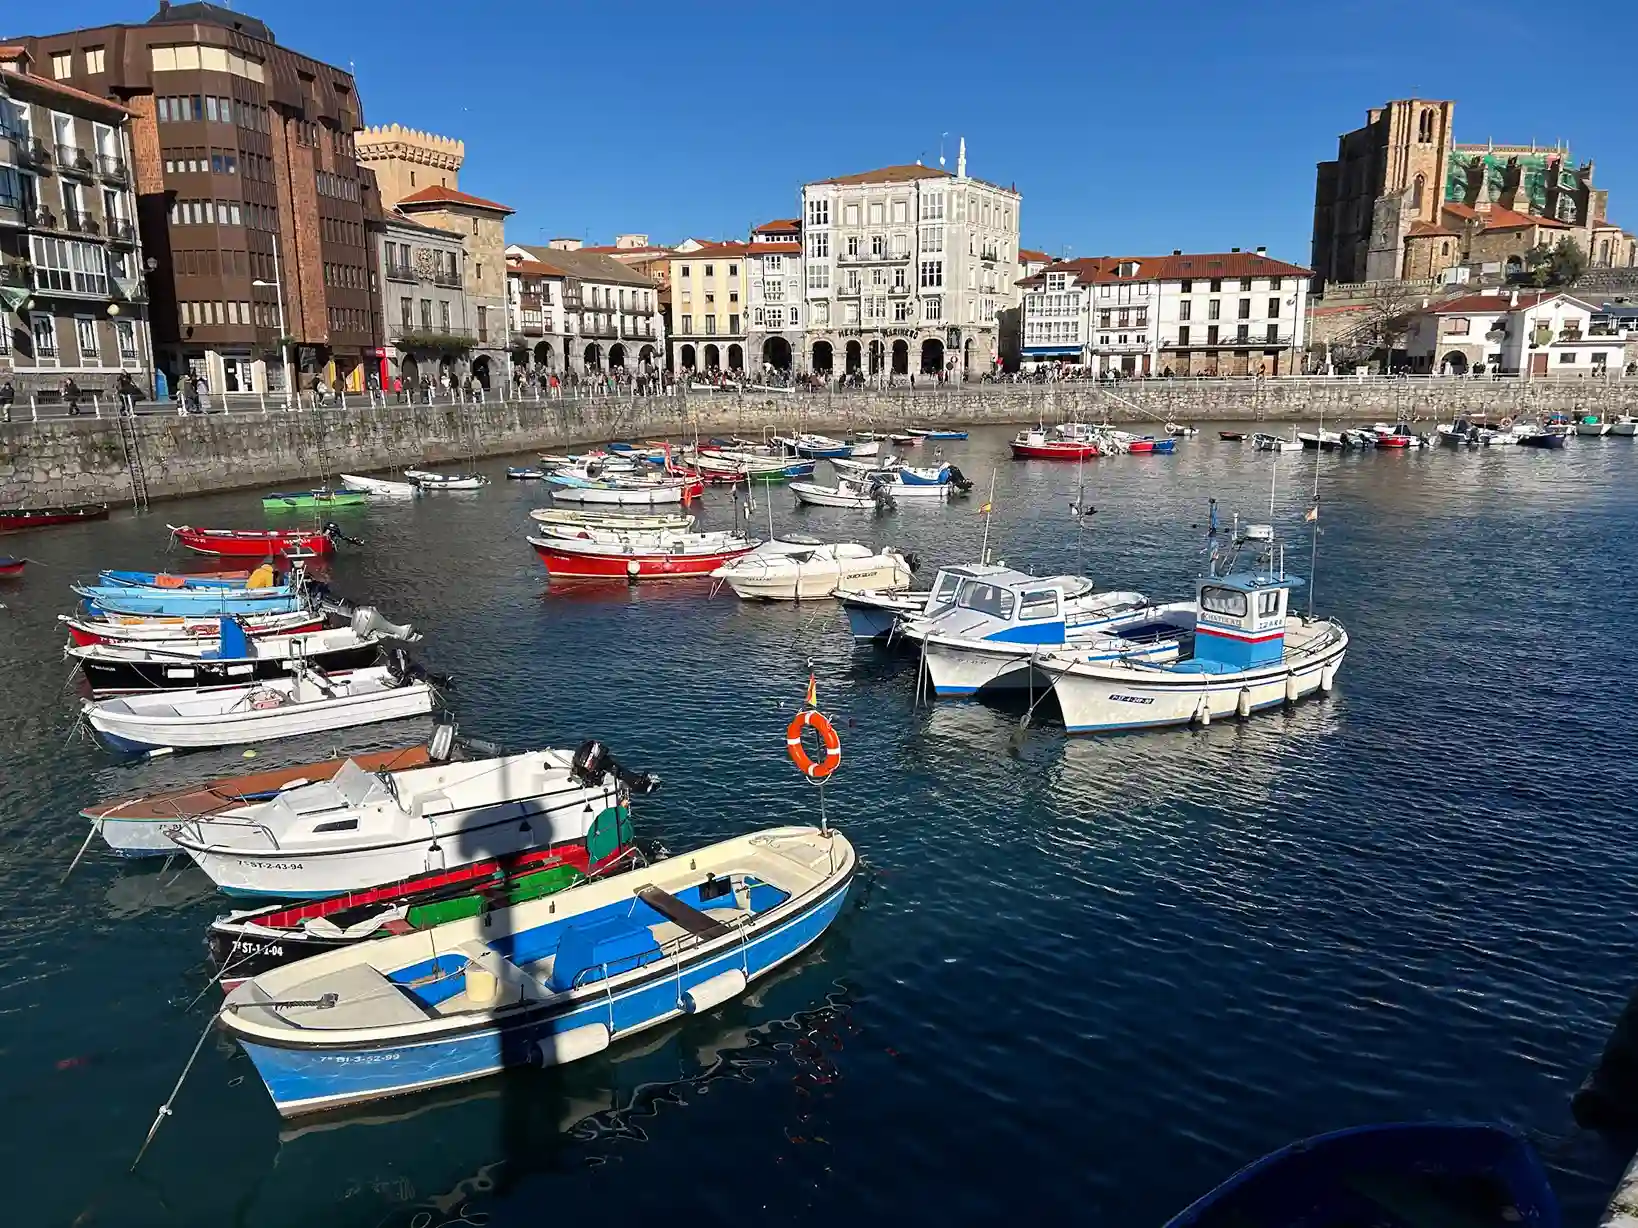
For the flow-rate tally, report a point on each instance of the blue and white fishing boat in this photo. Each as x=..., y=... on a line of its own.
x=541, y=983
x=1250, y=653
x=1398, y=1176
x=998, y=626
x=170, y=582
x=820, y=447
x=936, y=433
x=127, y=599
x=879, y=614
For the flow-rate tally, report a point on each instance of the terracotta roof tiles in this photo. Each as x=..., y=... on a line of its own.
x=893, y=174
x=58, y=88
x=773, y=249
x=1101, y=269
x=1480, y=303
x=449, y=196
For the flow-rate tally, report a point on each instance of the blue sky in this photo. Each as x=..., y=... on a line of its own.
x=1129, y=128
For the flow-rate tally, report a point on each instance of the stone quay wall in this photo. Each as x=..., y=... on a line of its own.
x=82, y=460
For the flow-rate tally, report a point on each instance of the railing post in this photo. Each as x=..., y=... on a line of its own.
x=343, y=393
x=96, y=406
x=33, y=408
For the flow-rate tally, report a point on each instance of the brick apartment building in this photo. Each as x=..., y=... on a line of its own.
x=251, y=205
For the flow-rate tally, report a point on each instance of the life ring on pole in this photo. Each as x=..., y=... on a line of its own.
x=1506, y=422
x=812, y=718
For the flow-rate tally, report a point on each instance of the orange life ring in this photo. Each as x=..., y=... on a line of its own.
x=810, y=718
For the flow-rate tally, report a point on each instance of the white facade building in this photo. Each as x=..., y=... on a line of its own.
x=1535, y=335
x=610, y=314
x=1228, y=313
x=774, y=298
x=905, y=269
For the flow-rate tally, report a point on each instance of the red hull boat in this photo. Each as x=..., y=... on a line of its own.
x=565, y=563
x=19, y=518
x=254, y=543
x=85, y=632
x=1066, y=450
x=11, y=567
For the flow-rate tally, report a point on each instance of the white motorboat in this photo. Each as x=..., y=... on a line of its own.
x=621, y=492
x=1180, y=431
x=160, y=629
x=858, y=468
x=1264, y=442
x=304, y=702
x=610, y=520
x=381, y=486
x=1249, y=653
x=865, y=494
x=428, y=480
x=1591, y=426
x=1000, y=624
x=791, y=570
x=875, y=614
x=868, y=447
x=1625, y=426
x=1320, y=440
x=361, y=828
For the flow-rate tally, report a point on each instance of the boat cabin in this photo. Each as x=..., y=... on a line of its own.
x=1011, y=607
x=1240, y=622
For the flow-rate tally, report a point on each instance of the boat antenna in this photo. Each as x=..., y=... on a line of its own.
x=988, y=510
x=1273, y=478
x=1211, y=540
x=1080, y=511
x=1312, y=516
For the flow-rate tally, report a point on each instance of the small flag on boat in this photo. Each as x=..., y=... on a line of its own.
x=813, y=692
x=1311, y=514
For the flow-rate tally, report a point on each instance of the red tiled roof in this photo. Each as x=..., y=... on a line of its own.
x=1100, y=269
x=535, y=268
x=12, y=51
x=58, y=88
x=893, y=174
x=773, y=249
x=1421, y=229
x=610, y=249
x=1470, y=303
x=1501, y=218
x=779, y=223
x=449, y=196
x=707, y=250
x=1028, y=255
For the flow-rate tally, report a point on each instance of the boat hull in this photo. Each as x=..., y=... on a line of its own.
x=158, y=630
x=637, y=496
x=873, y=616
x=12, y=567
x=317, y=498
x=381, y=486
x=566, y=564
x=961, y=668
x=121, y=677
x=251, y=543
x=1054, y=451
x=1111, y=698
x=15, y=520
x=307, y=1080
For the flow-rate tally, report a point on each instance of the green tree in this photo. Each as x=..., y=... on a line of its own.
x=1557, y=265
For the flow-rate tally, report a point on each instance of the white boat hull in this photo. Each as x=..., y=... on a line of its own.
x=1624, y=429
x=657, y=496
x=831, y=496
x=811, y=582
x=380, y=486
x=957, y=667
x=1104, y=698
x=181, y=720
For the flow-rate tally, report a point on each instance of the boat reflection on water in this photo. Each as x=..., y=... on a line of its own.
x=439, y=1158
x=157, y=886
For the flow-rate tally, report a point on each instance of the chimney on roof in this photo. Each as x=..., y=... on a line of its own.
x=1177, y=251
x=1234, y=250
x=1262, y=251
x=1513, y=299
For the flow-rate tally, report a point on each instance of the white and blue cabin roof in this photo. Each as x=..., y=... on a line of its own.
x=1011, y=606
x=1241, y=616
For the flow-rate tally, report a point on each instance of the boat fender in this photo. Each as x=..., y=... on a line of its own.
x=1291, y=689
x=1242, y=708
x=560, y=1048
x=633, y=569
x=442, y=741
x=713, y=992
x=1328, y=679
x=1202, y=714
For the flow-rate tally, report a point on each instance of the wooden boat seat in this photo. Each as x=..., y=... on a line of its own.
x=691, y=919
x=364, y=999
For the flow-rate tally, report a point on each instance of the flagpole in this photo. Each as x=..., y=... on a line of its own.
x=989, y=510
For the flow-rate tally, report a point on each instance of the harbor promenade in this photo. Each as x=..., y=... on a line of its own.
x=247, y=440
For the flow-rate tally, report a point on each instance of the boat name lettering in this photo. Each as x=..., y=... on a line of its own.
x=274, y=865
x=241, y=947
x=357, y=1059
x=1132, y=699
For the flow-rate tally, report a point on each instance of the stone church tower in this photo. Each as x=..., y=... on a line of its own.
x=405, y=161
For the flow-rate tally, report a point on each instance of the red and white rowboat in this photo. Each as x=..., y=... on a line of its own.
x=254, y=543
x=1038, y=445
x=648, y=557
x=135, y=629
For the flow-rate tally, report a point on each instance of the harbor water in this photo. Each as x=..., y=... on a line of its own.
x=1085, y=979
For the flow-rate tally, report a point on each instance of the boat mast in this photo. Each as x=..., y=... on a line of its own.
x=989, y=510
x=1313, y=547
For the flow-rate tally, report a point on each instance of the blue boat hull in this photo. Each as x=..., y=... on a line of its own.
x=148, y=579
x=1469, y=1174
x=114, y=600
x=869, y=622
x=307, y=1080
x=823, y=453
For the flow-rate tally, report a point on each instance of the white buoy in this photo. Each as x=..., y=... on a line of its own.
x=1242, y=708
x=1291, y=689
x=1328, y=679
x=1202, y=714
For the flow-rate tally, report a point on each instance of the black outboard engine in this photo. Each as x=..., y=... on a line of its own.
x=960, y=480
x=912, y=560
x=403, y=670
x=593, y=760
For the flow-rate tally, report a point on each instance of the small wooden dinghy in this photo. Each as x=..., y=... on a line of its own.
x=135, y=826
x=10, y=566
x=308, y=499
x=381, y=487
x=16, y=519
x=544, y=982
x=305, y=702
x=233, y=659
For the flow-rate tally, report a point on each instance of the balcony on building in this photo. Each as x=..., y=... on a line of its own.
x=446, y=277
x=72, y=160
x=79, y=222
x=398, y=271
x=121, y=231
x=112, y=168
x=33, y=154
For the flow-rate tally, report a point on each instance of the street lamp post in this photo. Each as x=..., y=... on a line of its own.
x=278, y=289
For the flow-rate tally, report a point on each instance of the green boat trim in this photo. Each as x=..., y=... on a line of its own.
x=317, y=498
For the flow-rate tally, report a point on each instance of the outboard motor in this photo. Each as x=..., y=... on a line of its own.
x=593, y=760
x=958, y=479
x=332, y=530
x=442, y=742
x=367, y=623
x=403, y=670
x=912, y=560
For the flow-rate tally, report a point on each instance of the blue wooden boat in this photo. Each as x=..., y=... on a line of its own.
x=10, y=566
x=1419, y=1175
x=525, y=474
x=171, y=582
x=937, y=433
x=124, y=599
x=543, y=982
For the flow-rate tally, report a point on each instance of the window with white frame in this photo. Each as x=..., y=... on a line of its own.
x=68, y=266
x=877, y=212
x=818, y=277
x=44, y=328
x=774, y=291
x=125, y=335
x=853, y=245
x=898, y=278
x=901, y=211
x=1057, y=281
x=773, y=265
x=932, y=239
x=932, y=206
x=901, y=246
x=85, y=336
x=62, y=64
x=775, y=317
x=818, y=213
x=933, y=307
x=901, y=310
x=850, y=313
x=852, y=214
x=95, y=60
x=819, y=245
x=793, y=315
x=875, y=309
x=932, y=274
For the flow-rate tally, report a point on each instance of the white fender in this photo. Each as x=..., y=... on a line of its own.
x=1291, y=689
x=1328, y=679
x=1202, y=714
x=714, y=991
x=1242, y=707
x=560, y=1048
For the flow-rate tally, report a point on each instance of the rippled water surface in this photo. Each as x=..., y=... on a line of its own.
x=1089, y=977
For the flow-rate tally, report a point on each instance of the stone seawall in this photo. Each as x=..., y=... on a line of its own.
x=84, y=459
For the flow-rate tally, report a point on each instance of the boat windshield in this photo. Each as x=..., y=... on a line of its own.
x=944, y=590
x=985, y=598
x=1039, y=603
